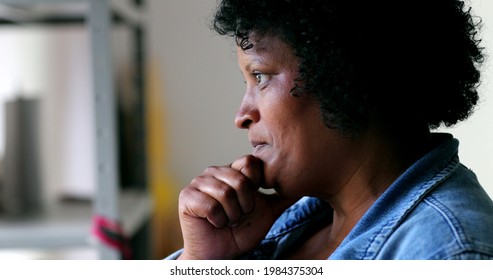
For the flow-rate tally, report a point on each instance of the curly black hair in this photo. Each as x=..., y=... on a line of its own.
x=410, y=62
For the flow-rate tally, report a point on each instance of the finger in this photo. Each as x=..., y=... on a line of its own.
x=251, y=166
x=244, y=186
x=278, y=204
x=221, y=192
x=267, y=210
x=196, y=204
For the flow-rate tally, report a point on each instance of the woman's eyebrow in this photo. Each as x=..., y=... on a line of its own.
x=255, y=62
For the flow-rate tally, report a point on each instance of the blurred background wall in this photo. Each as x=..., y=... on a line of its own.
x=203, y=87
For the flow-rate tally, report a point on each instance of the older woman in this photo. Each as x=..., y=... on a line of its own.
x=340, y=99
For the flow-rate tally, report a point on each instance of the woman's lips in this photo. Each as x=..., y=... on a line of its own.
x=258, y=147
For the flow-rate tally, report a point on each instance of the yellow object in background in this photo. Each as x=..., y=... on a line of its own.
x=166, y=236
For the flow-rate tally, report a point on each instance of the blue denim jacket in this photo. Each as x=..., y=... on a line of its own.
x=435, y=210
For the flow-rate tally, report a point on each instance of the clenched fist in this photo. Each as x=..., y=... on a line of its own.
x=222, y=214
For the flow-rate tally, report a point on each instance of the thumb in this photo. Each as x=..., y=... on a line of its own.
x=275, y=203
x=272, y=205
x=251, y=167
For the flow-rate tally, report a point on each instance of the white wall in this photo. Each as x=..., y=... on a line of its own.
x=203, y=88
x=476, y=133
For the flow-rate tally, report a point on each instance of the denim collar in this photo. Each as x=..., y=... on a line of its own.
x=393, y=206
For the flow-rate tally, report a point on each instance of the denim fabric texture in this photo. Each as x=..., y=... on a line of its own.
x=436, y=209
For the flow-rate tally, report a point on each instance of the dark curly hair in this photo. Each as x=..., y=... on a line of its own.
x=412, y=63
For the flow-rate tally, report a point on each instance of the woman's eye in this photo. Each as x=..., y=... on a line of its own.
x=261, y=78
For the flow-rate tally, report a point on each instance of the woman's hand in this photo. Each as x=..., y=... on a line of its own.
x=222, y=214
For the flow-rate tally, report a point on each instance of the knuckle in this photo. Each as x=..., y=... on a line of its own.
x=214, y=208
x=184, y=193
x=239, y=163
x=183, y=208
x=211, y=170
x=196, y=181
x=249, y=159
x=247, y=162
x=184, y=200
x=226, y=194
x=243, y=183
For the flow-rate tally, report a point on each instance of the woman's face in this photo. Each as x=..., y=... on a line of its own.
x=301, y=155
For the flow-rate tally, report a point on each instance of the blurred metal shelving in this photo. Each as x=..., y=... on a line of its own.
x=131, y=208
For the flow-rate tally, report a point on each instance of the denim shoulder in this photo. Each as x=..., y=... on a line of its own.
x=454, y=221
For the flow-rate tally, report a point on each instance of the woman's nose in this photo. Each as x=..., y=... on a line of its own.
x=247, y=113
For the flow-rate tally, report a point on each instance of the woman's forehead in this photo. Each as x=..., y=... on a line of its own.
x=268, y=46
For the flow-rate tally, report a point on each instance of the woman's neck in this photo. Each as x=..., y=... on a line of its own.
x=383, y=157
